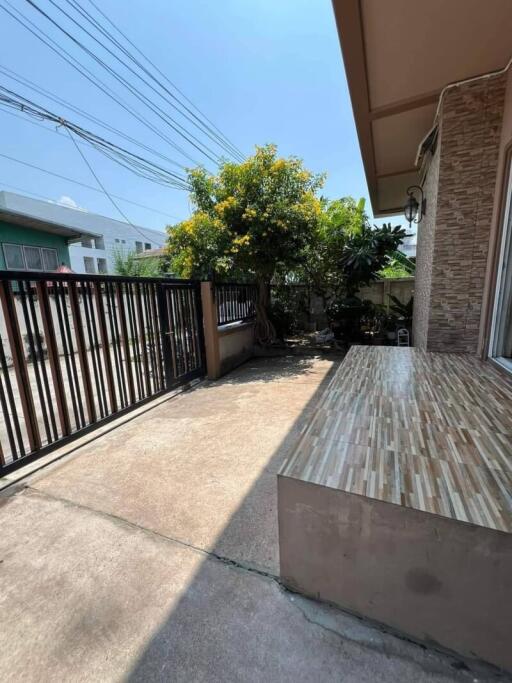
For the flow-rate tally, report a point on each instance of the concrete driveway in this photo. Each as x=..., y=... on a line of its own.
x=149, y=553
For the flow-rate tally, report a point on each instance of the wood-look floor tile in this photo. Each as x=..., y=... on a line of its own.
x=425, y=430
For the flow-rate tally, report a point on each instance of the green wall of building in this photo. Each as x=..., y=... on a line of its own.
x=17, y=234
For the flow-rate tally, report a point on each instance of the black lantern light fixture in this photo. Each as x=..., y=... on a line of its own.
x=416, y=205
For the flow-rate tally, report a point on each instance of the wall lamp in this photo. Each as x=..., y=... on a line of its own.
x=416, y=205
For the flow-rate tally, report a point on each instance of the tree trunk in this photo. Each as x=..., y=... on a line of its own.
x=265, y=331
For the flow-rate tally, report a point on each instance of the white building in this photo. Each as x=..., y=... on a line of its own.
x=408, y=246
x=92, y=254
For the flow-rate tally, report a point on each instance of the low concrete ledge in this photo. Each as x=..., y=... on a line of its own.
x=442, y=581
x=236, y=345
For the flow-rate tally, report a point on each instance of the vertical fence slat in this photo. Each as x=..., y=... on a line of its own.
x=142, y=332
x=34, y=356
x=235, y=303
x=82, y=350
x=105, y=347
x=53, y=357
x=125, y=340
x=20, y=365
x=8, y=395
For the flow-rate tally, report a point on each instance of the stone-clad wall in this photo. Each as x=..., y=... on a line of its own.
x=424, y=256
x=456, y=231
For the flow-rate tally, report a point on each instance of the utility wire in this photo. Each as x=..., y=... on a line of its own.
x=90, y=117
x=88, y=74
x=210, y=130
x=157, y=110
x=163, y=75
x=105, y=191
x=143, y=167
x=75, y=182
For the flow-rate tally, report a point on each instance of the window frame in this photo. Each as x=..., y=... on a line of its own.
x=502, y=310
x=89, y=259
x=22, y=247
x=104, y=263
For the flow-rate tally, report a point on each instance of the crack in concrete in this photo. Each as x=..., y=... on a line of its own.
x=236, y=564
x=439, y=668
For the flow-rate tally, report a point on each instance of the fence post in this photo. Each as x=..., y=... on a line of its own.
x=211, y=334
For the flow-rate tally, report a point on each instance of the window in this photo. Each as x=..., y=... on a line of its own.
x=33, y=258
x=50, y=260
x=87, y=242
x=501, y=345
x=26, y=257
x=99, y=243
x=117, y=240
x=89, y=265
x=138, y=247
x=102, y=266
x=147, y=246
x=13, y=254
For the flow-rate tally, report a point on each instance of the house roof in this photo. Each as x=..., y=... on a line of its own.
x=52, y=217
x=34, y=214
x=152, y=253
x=399, y=55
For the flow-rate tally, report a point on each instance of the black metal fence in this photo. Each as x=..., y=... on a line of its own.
x=76, y=350
x=235, y=303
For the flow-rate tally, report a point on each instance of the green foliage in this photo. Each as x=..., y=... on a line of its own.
x=398, y=266
x=346, y=252
x=289, y=308
x=126, y=263
x=366, y=252
x=255, y=217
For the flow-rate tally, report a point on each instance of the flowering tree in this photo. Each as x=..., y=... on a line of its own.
x=254, y=218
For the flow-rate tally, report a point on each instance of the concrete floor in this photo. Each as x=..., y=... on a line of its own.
x=150, y=553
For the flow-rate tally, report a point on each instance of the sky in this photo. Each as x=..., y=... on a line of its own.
x=261, y=70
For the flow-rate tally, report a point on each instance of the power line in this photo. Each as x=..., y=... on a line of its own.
x=157, y=110
x=105, y=191
x=173, y=85
x=106, y=126
x=75, y=182
x=87, y=73
x=206, y=127
x=134, y=162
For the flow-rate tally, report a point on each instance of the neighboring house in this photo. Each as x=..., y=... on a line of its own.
x=431, y=90
x=33, y=243
x=102, y=236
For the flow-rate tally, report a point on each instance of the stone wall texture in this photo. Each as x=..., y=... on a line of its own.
x=424, y=256
x=453, y=240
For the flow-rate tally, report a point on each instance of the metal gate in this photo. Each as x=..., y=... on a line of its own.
x=78, y=350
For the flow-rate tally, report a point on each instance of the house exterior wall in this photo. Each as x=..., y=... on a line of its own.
x=424, y=256
x=453, y=241
x=106, y=235
x=117, y=237
x=16, y=234
x=504, y=156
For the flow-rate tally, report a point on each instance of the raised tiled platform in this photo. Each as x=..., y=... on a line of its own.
x=397, y=501
x=428, y=431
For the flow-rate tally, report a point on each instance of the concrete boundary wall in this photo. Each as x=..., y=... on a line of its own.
x=227, y=346
x=379, y=291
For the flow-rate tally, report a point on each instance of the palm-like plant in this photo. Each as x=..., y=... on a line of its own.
x=366, y=252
